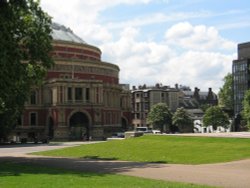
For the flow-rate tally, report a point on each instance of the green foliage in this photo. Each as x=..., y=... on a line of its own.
x=24, y=56
x=216, y=117
x=162, y=149
x=244, y=125
x=182, y=120
x=24, y=176
x=204, y=107
x=159, y=116
x=226, y=93
x=246, y=108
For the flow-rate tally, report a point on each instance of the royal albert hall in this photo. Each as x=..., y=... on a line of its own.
x=81, y=97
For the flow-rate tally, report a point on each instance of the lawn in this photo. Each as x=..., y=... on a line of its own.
x=24, y=175
x=163, y=149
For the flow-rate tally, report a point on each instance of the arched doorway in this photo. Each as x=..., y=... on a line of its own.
x=79, y=126
x=51, y=128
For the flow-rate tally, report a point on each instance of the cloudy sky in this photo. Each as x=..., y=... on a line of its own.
x=189, y=42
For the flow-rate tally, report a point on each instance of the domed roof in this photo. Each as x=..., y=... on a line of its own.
x=60, y=32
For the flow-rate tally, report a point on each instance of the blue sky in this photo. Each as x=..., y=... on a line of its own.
x=189, y=42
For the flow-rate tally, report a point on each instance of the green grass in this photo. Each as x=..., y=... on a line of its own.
x=29, y=176
x=163, y=149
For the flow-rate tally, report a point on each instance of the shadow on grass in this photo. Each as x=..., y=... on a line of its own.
x=100, y=158
x=93, y=165
x=19, y=169
x=114, y=159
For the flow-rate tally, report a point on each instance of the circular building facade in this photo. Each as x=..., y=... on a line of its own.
x=81, y=97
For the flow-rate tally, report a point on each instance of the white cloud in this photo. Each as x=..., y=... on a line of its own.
x=93, y=33
x=82, y=16
x=194, y=55
x=198, y=37
x=150, y=62
x=176, y=16
x=159, y=17
x=140, y=62
x=196, y=68
x=86, y=10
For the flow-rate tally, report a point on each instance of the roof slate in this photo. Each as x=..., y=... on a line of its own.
x=60, y=32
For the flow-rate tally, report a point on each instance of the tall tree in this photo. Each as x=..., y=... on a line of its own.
x=24, y=56
x=246, y=108
x=160, y=116
x=216, y=117
x=226, y=93
x=182, y=120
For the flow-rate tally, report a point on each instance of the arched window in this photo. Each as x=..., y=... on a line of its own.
x=47, y=97
x=78, y=94
x=87, y=96
x=33, y=97
x=20, y=121
x=33, y=118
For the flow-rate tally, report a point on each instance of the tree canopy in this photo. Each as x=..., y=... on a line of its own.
x=160, y=116
x=182, y=120
x=246, y=108
x=216, y=117
x=226, y=93
x=24, y=56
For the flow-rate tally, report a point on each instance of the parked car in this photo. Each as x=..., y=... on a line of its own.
x=29, y=138
x=118, y=135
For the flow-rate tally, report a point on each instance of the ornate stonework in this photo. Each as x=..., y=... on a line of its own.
x=80, y=97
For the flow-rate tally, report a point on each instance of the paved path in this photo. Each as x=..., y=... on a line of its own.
x=23, y=149
x=233, y=174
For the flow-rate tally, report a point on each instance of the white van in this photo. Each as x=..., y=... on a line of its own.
x=156, y=132
x=144, y=129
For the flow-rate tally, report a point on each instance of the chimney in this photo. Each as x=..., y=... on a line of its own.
x=196, y=93
x=176, y=86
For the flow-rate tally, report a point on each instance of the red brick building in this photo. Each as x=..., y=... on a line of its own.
x=81, y=97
